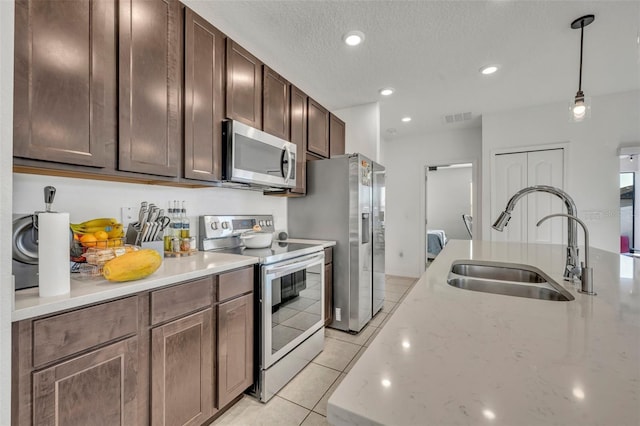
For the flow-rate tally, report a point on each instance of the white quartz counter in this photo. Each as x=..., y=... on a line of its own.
x=86, y=291
x=323, y=243
x=452, y=356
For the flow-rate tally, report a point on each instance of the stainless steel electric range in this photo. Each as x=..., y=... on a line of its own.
x=289, y=300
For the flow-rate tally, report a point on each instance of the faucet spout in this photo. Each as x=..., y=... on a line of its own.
x=572, y=268
x=586, y=272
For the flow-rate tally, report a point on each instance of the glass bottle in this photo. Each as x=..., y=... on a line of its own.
x=168, y=233
x=184, y=232
x=176, y=227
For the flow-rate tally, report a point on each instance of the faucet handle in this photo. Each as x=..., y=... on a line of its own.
x=586, y=278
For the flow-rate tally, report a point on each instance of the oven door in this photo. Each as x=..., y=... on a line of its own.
x=291, y=304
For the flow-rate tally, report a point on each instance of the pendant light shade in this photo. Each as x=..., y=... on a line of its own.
x=580, y=107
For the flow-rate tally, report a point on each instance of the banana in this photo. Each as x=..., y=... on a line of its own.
x=117, y=231
x=95, y=225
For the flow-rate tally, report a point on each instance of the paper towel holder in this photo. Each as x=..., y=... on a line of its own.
x=49, y=195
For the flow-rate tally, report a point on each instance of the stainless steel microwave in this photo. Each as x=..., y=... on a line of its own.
x=257, y=158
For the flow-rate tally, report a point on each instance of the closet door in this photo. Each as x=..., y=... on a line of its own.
x=510, y=176
x=515, y=171
x=545, y=168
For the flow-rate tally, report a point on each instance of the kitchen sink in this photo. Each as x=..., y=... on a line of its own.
x=506, y=278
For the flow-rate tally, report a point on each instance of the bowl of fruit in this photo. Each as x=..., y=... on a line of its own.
x=100, y=233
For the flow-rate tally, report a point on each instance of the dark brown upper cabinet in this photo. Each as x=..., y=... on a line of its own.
x=299, y=137
x=336, y=136
x=275, y=104
x=203, y=98
x=244, y=86
x=64, y=80
x=318, y=130
x=149, y=85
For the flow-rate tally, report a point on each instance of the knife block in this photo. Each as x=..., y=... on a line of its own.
x=157, y=244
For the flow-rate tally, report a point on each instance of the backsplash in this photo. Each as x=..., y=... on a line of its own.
x=86, y=199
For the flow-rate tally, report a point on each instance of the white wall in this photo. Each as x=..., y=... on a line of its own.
x=6, y=153
x=405, y=160
x=448, y=198
x=86, y=199
x=593, y=164
x=362, y=133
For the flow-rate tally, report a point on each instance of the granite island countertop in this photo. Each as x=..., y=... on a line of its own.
x=450, y=356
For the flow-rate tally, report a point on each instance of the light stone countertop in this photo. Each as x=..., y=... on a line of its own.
x=323, y=243
x=28, y=304
x=450, y=356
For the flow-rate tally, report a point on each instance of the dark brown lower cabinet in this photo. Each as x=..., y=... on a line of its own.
x=154, y=354
x=182, y=391
x=98, y=388
x=235, y=347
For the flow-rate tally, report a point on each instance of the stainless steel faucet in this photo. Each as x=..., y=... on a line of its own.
x=571, y=269
x=586, y=272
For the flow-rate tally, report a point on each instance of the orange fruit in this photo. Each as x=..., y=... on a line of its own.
x=101, y=235
x=88, y=240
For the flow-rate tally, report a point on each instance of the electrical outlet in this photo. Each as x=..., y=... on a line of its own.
x=126, y=215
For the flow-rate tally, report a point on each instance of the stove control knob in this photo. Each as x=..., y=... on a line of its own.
x=225, y=225
x=214, y=225
x=261, y=222
x=269, y=223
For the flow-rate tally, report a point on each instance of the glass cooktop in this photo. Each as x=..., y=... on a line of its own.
x=279, y=250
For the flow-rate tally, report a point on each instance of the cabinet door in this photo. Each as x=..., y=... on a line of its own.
x=64, y=80
x=336, y=136
x=235, y=348
x=149, y=80
x=244, y=86
x=299, y=137
x=182, y=371
x=318, y=129
x=275, y=104
x=203, y=99
x=98, y=388
x=328, y=293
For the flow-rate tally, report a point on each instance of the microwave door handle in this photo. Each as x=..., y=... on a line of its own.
x=283, y=270
x=289, y=160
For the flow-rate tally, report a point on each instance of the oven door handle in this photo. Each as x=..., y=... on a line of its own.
x=294, y=266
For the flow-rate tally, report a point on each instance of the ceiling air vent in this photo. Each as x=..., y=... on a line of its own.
x=457, y=118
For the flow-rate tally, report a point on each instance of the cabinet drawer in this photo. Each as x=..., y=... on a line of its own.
x=181, y=299
x=235, y=283
x=66, y=334
x=328, y=255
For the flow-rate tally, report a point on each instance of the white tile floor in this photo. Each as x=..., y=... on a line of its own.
x=304, y=400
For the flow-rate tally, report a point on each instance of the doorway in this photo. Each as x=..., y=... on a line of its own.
x=449, y=205
x=627, y=211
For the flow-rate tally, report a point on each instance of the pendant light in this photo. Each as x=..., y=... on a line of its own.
x=580, y=108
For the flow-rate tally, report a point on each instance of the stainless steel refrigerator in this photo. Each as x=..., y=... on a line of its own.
x=345, y=203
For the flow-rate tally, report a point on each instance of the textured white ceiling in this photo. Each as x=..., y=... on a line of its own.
x=431, y=51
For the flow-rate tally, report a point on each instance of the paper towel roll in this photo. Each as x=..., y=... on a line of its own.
x=53, y=254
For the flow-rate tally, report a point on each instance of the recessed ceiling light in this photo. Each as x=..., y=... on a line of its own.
x=489, y=69
x=406, y=119
x=386, y=91
x=353, y=38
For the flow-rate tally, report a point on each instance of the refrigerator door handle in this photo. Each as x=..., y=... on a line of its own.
x=365, y=228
